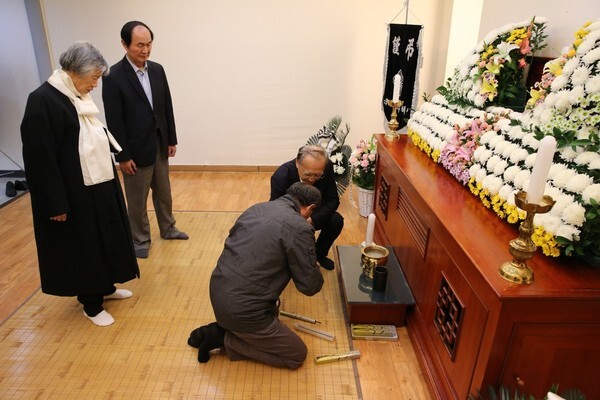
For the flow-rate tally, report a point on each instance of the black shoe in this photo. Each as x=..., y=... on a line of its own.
x=213, y=339
x=326, y=263
x=197, y=336
x=10, y=189
x=21, y=185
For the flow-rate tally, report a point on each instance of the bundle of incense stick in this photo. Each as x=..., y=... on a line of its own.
x=300, y=317
x=315, y=332
x=349, y=355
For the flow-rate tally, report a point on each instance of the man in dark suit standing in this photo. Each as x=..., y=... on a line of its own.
x=139, y=113
x=312, y=166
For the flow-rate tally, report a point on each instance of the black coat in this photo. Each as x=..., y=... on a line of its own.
x=131, y=119
x=92, y=249
x=287, y=174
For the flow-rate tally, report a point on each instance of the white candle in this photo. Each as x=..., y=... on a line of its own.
x=397, y=87
x=370, y=229
x=539, y=175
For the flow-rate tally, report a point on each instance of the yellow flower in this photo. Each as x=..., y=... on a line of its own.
x=435, y=155
x=493, y=68
x=554, y=67
x=571, y=53
x=577, y=42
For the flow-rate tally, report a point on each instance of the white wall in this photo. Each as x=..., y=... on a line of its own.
x=252, y=80
x=18, y=78
x=463, y=36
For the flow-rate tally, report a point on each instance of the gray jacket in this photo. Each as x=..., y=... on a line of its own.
x=269, y=244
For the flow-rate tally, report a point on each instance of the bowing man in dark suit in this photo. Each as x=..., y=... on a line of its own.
x=139, y=113
x=312, y=166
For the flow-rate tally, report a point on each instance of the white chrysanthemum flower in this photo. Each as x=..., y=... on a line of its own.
x=587, y=44
x=592, y=85
x=594, y=26
x=492, y=184
x=508, y=150
x=501, y=146
x=487, y=136
x=518, y=155
x=479, y=100
x=586, y=157
x=559, y=82
x=592, y=56
x=478, y=152
x=594, y=164
x=522, y=178
x=474, y=169
x=505, y=192
x=568, y=232
x=553, y=192
x=591, y=192
x=546, y=116
x=481, y=174
x=549, y=100
x=570, y=66
x=562, y=102
x=576, y=95
x=578, y=183
x=580, y=75
x=485, y=155
x=556, y=169
x=574, y=214
x=550, y=222
x=491, y=163
x=511, y=172
x=530, y=160
x=562, y=201
x=516, y=132
x=494, y=140
x=500, y=167
x=561, y=179
x=568, y=154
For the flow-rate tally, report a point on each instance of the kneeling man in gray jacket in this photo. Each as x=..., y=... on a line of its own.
x=269, y=244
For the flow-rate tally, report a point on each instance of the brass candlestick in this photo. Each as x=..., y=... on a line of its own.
x=393, y=123
x=523, y=248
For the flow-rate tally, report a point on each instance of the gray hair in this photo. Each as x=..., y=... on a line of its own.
x=82, y=58
x=305, y=194
x=312, y=150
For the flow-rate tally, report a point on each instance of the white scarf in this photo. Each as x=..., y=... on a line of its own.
x=94, y=149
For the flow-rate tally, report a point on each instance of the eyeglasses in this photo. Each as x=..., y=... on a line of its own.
x=309, y=175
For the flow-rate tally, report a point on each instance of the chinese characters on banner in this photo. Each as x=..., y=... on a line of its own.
x=403, y=54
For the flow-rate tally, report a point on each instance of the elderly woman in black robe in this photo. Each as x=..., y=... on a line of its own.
x=80, y=220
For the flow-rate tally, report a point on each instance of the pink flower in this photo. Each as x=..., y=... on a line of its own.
x=364, y=163
x=525, y=45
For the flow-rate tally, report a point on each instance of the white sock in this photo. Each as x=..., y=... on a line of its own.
x=102, y=319
x=119, y=294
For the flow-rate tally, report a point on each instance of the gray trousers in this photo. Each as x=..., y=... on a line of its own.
x=137, y=187
x=274, y=345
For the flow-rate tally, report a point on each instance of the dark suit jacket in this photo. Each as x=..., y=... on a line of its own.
x=131, y=119
x=287, y=174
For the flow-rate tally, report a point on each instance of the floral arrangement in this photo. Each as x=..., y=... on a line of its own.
x=498, y=146
x=332, y=139
x=457, y=155
x=363, y=162
x=495, y=72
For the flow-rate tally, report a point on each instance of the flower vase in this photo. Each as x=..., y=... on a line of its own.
x=366, y=199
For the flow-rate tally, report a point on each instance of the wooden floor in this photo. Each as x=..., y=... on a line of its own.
x=386, y=370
